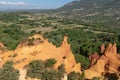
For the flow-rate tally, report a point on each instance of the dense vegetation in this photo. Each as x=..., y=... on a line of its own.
x=38, y=69
x=11, y=35
x=8, y=72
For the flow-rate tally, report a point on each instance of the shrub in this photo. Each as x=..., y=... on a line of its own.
x=50, y=62
x=96, y=78
x=61, y=70
x=74, y=76
x=83, y=60
x=36, y=69
x=8, y=72
x=51, y=75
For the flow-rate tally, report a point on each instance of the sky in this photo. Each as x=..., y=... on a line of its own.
x=32, y=4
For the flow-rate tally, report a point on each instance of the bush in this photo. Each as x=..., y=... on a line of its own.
x=50, y=62
x=96, y=78
x=74, y=76
x=51, y=75
x=83, y=60
x=8, y=72
x=61, y=70
x=36, y=69
x=12, y=35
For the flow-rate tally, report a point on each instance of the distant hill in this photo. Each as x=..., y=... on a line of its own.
x=88, y=4
x=105, y=12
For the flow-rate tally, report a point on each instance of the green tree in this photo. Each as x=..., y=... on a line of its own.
x=74, y=76
x=50, y=62
x=61, y=71
x=51, y=74
x=36, y=69
x=83, y=60
x=8, y=72
x=95, y=78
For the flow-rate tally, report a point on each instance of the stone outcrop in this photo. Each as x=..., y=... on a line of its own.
x=102, y=48
x=109, y=62
x=93, y=58
x=1, y=45
x=38, y=48
x=2, y=48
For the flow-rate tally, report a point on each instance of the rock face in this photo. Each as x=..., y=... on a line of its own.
x=2, y=48
x=93, y=58
x=108, y=63
x=102, y=48
x=38, y=48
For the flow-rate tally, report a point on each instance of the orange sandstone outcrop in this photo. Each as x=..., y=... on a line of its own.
x=102, y=48
x=109, y=62
x=2, y=50
x=93, y=58
x=2, y=47
x=38, y=48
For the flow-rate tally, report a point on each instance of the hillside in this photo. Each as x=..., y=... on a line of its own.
x=86, y=4
x=104, y=12
x=89, y=4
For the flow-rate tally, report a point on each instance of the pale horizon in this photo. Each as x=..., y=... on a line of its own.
x=32, y=4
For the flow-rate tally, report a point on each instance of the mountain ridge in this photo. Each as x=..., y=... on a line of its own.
x=77, y=4
x=105, y=12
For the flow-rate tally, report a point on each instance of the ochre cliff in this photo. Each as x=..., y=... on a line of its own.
x=107, y=64
x=38, y=48
x=2, y=48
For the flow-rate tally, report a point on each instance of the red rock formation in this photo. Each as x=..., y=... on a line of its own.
x=109, y=62
x=93, y=58
x=114, y=62
x=2, y=48
x=102, y=48
x=95, y=70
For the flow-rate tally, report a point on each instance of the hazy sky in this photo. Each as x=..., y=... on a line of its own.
x=32, y=4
